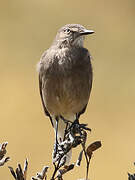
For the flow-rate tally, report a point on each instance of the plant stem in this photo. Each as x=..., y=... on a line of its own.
x=87, y=161
x=87, y=171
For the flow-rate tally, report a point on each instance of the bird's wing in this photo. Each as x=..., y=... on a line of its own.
x=82, y=111
x=41, y=94
x=88, y=58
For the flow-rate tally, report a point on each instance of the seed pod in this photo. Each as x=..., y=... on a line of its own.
x=78, y=163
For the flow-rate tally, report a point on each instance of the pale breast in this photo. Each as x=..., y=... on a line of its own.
x=67, y=86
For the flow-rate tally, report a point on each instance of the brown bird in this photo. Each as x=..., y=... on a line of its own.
x=65, y=78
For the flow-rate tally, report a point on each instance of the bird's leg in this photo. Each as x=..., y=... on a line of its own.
x=57, y=120
x=56, y=138
x=65, y=120
x=77, y=119
x=77, y=126
x=76, y=122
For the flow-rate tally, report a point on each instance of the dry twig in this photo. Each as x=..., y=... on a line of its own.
x=20, y=174
x=131, y=176
x=75, y=135
x=3, y=151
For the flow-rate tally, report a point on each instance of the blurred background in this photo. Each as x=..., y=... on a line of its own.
x=27, y=28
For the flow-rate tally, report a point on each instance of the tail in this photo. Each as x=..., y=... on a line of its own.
x=60, y=135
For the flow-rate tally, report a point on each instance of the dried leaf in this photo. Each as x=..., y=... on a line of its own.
x=12, y=172
x=3, y=149
x=4, y=160
x=41, y=175
x=70, y=167
x=25, y=169
x=92, y=147
x=19, y=174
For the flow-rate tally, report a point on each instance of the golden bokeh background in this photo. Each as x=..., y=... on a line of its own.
x=27, y=28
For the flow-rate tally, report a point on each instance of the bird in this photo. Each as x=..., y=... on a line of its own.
x=65, y=78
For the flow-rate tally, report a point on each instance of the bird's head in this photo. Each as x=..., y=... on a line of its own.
x=72, y=35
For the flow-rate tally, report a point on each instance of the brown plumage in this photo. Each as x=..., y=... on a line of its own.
x=65, y=76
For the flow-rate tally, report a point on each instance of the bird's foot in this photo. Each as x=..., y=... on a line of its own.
x=77, y=134
x=77, y=128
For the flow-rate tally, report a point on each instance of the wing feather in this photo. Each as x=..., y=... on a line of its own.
x=44, y=107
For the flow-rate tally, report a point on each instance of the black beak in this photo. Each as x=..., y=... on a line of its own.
x=86, y=32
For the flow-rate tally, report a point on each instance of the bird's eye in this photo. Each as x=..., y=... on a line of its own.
x=67, y=30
